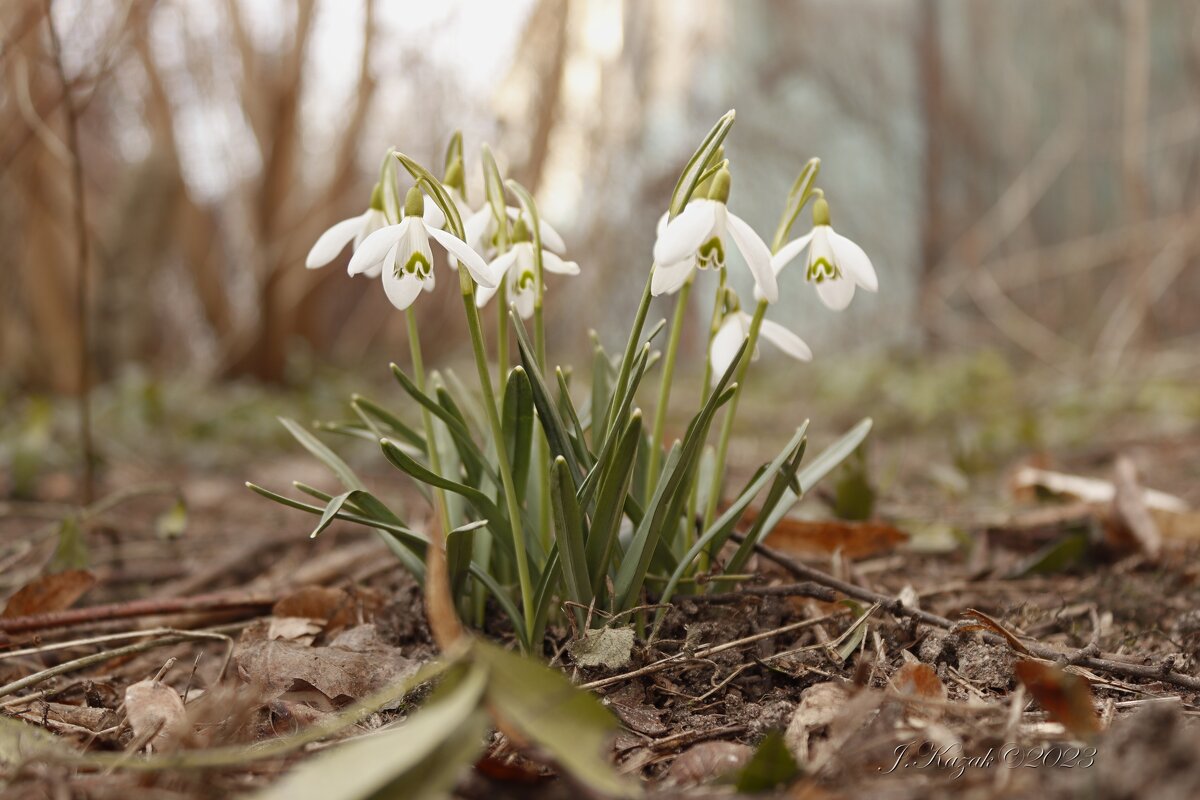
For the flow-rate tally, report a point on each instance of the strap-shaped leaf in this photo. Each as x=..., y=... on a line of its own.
x=367, y=409
x=552, y=424
x=454, y=424
x=815, y=470
x=671, y=493
x=785, y=479
x=323, y=454
x=585, y=457
x=614, y=486
x=602, y=386
x=517, y=419
x=621, y=408
x=699, y=162
x=569, y=532
x=468, y=454
x=483, y=504
x=717, y=533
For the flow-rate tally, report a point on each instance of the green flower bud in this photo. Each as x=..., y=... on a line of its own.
x=414, y=203
x=377, y=197
x=820, y=211
x=455, y=177
x=721, y=183
x=520, y=231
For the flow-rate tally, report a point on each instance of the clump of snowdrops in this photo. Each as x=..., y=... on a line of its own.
x=560, y=497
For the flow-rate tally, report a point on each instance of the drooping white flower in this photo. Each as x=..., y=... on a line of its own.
x=734, y=330
x=836, y=265
x=517, y=267
x=353, y=230
x=480, y=228
x=696, y=239
x=402, y=254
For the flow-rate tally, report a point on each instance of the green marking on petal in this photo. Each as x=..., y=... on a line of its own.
x=417, y=265
x=821, y=269
x=711, y=254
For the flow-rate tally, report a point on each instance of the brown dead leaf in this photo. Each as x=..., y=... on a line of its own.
x=853, y=539
x=1132, y=524
x=920, y=681
x=281, y=666
x=708, y=761
x=49, y=593
x=294, y=629
x=155, y=712
x=1088, y=490
x=1066, y=697
x=334, y=609
x=985, y=623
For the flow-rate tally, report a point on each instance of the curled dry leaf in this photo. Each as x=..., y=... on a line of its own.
x=1131, y=522
x=819, y=706
x=708, y=761
x=331, y=610
x=1066, y=697
x=918, y=680
x=53, y=592
x=982, y=622
x=155, y=712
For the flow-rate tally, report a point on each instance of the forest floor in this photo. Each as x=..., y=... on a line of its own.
x=993, y=629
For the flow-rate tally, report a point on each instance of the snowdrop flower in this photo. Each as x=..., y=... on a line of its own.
x=517, y=267
x=734, y=330
x=480, y=228
x=836, y=265
x=353, y=230
x=696, y=239
x=402, y=254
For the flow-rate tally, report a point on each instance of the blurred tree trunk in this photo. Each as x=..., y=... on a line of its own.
x=929, y=60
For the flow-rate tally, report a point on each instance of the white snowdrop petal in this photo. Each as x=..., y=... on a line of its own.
x=375, y=247
x=669, y=278
x=836, y=293
x=552, y=263
x=466, y=256
x=757, y=255
x=333, y=241
x=726, y=343
x=686, y=232
x=853, y=259
x=785, y=340
x=787, y=254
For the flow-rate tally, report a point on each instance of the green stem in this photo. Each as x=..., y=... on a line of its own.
x=502, y=334
x=730, y=413
x=493, y=415
x=664, y=388
x=631, y=347
x=440, y=510
x=713, y=327
x=543, y=447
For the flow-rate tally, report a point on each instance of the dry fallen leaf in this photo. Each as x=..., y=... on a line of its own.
x=332, y=610
x=1132, y=523
x=1089, y=490
x=155, y=712
x=281, y=666
x=982, y=622
x=819, y=706
x=53, y=592
x=920, y=681
x=853, y=539
x=1066, y=697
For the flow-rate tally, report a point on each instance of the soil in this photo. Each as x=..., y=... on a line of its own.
x=688, y=726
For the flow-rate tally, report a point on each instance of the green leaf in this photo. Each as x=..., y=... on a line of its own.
x=817, y=469
x=784, y=480
x=698, y=163
x=718, y=533
x=771, y=767
x=454, y=424
x=555, y=716
x=468, y=454
x=458, y=552
x=483, y=504
x=323, y=454
x=71, y=552
x=614, y=486
x=585, y=457
x=569, y=533
x=602, y=379
x=799, y=195
x=670, y=494
x=423, y=757
x=517, y=419
x=551, y=422
x=367, y=409
x=493, y=185
x=854, y=498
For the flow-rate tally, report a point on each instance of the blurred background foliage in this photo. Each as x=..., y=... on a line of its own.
x=1023, y=174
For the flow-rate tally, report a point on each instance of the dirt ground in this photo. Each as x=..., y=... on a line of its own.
x=870, y=699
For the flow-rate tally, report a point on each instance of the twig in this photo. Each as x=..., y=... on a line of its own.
x=1154, y=672
x=806, y=589
x=88, y=486
x=137, y=608
x=705, y=652
x=99, y=658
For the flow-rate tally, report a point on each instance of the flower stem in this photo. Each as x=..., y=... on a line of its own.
x=664, y=388
x=502, y=335
x=713, y=327
x=506, y=478
x=440, y=510
x=543, y=447
x=714, y=494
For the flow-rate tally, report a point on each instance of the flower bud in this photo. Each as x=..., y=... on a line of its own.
x=820, y=211
x=414, y=203
x=719, y=190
